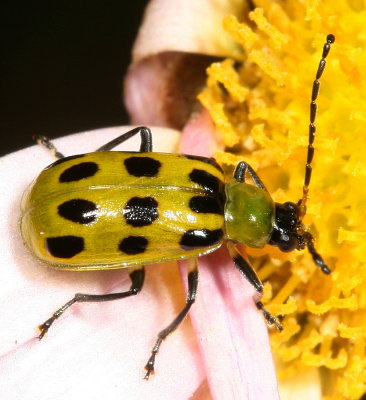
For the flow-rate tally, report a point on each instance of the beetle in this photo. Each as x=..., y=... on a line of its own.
x=110, y=209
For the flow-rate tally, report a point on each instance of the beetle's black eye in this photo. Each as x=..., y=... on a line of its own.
x=287, y=243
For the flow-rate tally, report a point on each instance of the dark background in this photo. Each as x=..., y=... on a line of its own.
x=62, y=67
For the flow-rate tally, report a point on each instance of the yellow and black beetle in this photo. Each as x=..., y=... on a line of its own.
x=114, y=209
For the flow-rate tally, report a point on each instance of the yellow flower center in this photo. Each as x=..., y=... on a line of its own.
x=259, y=101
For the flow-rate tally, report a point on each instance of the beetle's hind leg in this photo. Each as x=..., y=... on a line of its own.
x=137, y=276
x=46, y=142
x=247, y=270
x=191, y=297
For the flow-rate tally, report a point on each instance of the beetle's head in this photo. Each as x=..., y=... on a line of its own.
x=288, y=228
x=289, y=232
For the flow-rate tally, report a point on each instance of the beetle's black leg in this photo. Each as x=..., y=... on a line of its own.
x=246, y=269
x=271, y=320
x=137, y=276
x=146, y=139
x=44, y=141
x=145, y=146
x=240, y=171
x=191, y=297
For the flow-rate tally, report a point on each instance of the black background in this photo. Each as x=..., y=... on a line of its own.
x=62, y=67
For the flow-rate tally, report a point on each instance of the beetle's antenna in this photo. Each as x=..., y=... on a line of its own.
x=312, y=127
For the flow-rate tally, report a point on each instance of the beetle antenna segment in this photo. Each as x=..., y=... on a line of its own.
x=312, y=127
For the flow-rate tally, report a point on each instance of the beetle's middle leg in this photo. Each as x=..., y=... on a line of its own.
x=137, y=276
x=247, y=270
x=145, y=145
x=146, y=139
x=191, y=297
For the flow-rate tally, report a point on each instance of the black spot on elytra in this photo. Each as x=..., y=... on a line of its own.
x=206, y=204
x=78, y=172
x=140, y=211
x=206, y=160
x=142, y=166
x=64, y=246
x=133, y=245
x=78, y=210
x=208, y=182
x=64, y=159
x=200, y=238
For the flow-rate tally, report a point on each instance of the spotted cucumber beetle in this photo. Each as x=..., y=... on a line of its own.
x=111, y=210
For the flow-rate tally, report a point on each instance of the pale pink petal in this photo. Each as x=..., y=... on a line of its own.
x=176, y=42
x=95, y=350
x=231, y=332
x=191, y=26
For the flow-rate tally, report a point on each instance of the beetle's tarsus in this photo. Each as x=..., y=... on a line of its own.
x=271, y=320
x=151, y=361
x=43, y=328
x=46, y=142
x=150, y=366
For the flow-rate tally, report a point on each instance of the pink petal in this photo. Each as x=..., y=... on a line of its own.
x=95, y=350
x=232, y=334
x=199, y=136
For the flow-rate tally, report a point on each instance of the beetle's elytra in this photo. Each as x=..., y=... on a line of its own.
x=109, y=209
x=120, y=205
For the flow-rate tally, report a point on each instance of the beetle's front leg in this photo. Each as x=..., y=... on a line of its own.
x=240, y=171
x=246, y=269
